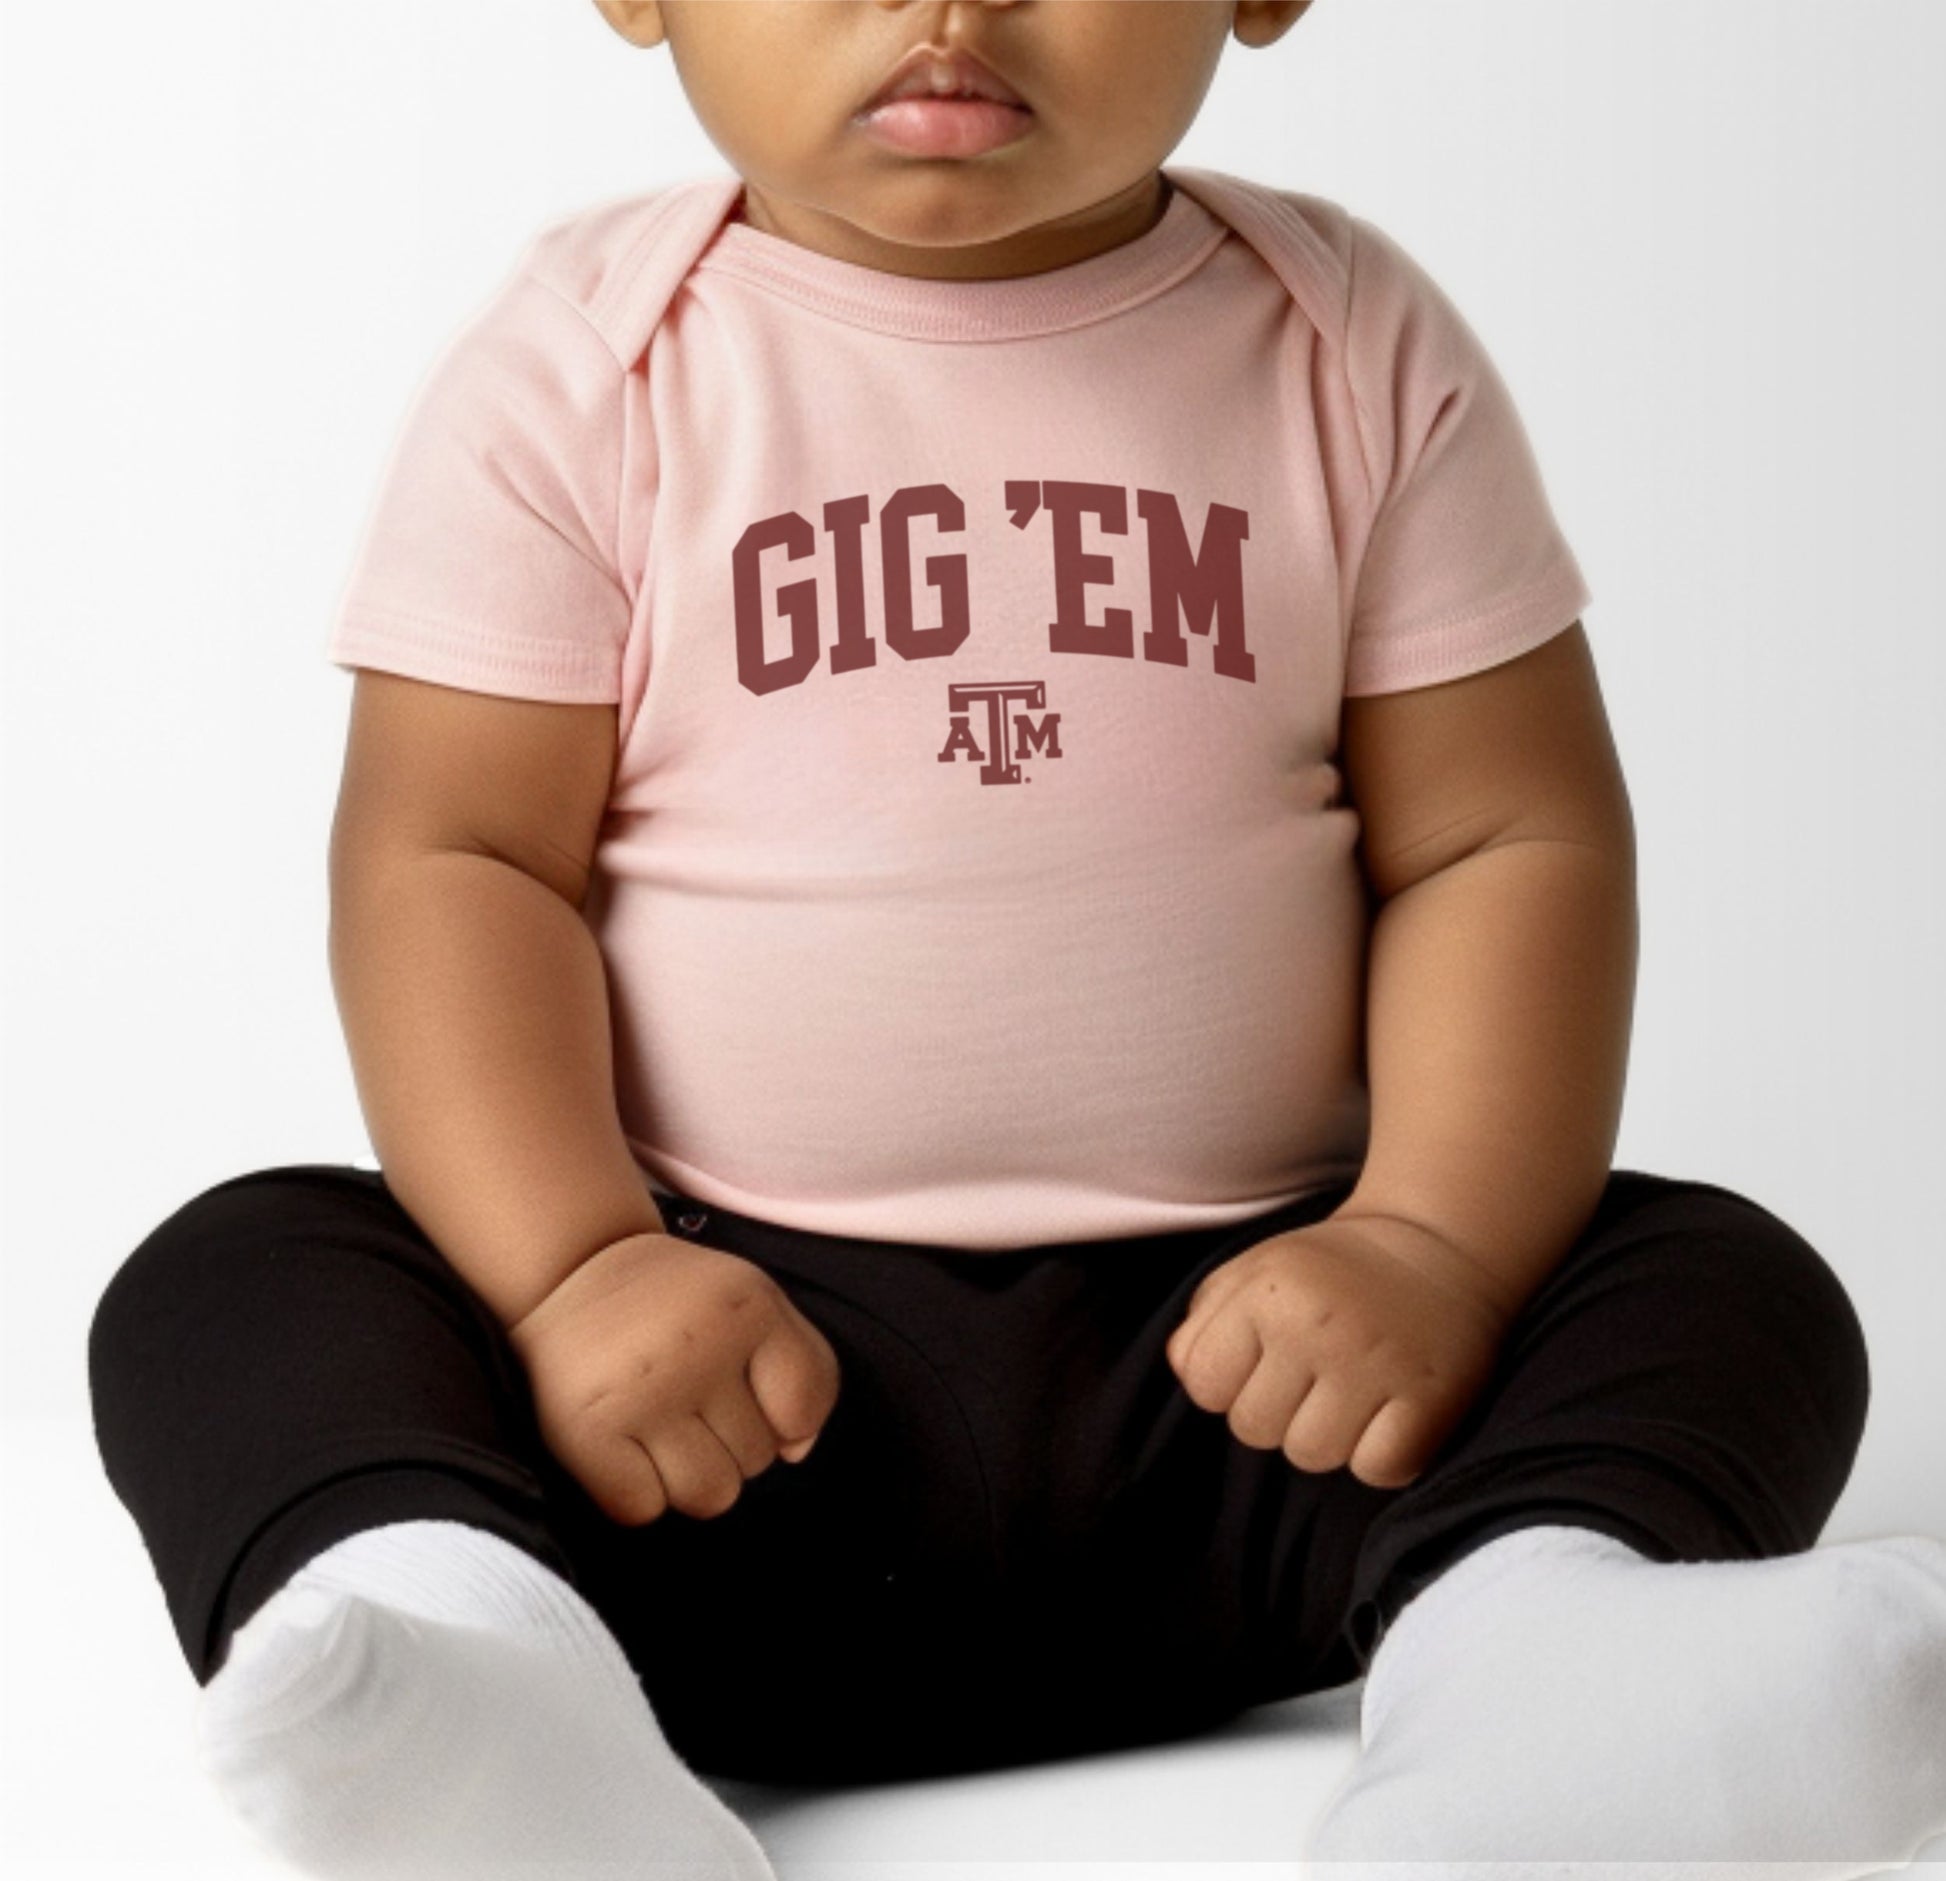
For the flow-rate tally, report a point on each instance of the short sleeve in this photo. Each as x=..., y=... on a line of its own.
x=488, y=559
x=1464, y=566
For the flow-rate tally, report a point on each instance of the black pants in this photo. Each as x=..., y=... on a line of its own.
x=1016, y=1537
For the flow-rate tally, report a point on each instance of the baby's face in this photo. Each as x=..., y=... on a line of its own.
x=1109, y=86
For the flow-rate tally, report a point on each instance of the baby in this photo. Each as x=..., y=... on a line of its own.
x=985, y=918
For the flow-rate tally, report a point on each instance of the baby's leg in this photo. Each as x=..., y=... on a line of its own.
x=330, y=1454
x=1614, y=1639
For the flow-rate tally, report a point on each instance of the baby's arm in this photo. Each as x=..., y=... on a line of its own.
x=473, y=994
x=1498, y=839
x=475, y=1004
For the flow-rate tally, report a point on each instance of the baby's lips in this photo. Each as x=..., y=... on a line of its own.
x=960, y=68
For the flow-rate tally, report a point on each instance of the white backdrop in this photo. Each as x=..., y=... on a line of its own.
x=1702, y=242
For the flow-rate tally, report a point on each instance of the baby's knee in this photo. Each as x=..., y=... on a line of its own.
x=138, y=1313
x=1756, y=1278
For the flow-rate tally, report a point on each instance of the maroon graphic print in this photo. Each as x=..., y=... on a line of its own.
x=996, y=767
x=1200, y=587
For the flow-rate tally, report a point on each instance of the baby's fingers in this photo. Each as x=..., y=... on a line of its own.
x=1213, y=1289
x=1396, y=1446
x=737, y=1422
x=794, y=1378
x=1324, y=1432
x=1263, y=1410
x=698, y=1474
x=1216, y=1362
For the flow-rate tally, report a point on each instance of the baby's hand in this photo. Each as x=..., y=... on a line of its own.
x=666, y=1373
x=1352, y=1339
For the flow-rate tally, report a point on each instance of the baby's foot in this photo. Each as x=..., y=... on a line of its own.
x=364, y=1733
x=1557, y=1698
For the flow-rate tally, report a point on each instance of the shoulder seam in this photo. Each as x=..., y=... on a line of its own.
x=583, y=319
x=528, y=272
x=1361, y=417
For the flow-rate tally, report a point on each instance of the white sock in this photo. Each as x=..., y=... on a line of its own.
x=1555, y=1697
x=425, y=1699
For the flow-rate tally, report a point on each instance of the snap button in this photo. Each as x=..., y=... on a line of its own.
x=692, y=1220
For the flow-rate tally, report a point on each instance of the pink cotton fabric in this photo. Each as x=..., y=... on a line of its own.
x=976, y=871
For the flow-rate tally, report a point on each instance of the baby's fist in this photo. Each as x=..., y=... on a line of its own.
x=666, y=1373
x=1339, y=1343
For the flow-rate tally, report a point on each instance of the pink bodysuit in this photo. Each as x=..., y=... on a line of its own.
x=976, y=868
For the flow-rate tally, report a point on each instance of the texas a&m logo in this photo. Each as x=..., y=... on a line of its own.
x=1031, y=734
